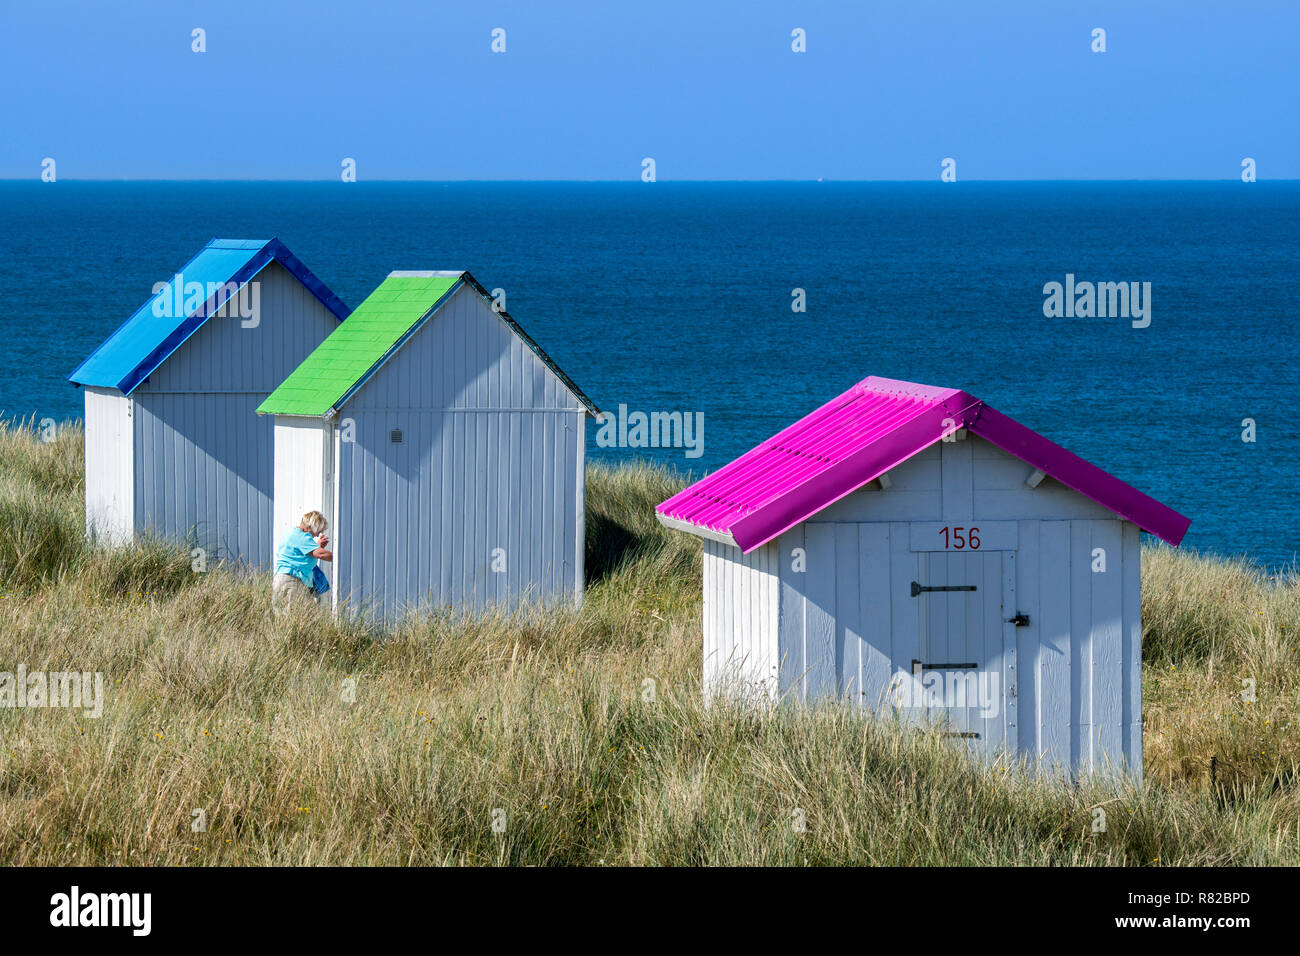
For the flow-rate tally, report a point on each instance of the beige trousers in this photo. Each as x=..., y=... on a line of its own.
x=287, y=591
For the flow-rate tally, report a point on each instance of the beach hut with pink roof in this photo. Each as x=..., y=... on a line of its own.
x=918, y=552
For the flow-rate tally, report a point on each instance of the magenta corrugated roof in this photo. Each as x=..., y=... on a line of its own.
x=858, y=436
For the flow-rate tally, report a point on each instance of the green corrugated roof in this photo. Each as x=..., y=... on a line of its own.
x=357, y=345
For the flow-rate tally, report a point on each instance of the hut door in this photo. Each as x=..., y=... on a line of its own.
x=960, y=662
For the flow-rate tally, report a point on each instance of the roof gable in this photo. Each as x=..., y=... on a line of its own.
x=863, y=433
x=353, y=351
x=377, y=329
x=146, y=340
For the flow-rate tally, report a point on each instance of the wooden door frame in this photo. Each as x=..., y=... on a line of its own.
x=1009, y=669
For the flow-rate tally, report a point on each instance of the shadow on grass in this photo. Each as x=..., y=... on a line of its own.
x=610, y=544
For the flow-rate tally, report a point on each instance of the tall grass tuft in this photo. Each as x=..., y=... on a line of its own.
x=41, y=513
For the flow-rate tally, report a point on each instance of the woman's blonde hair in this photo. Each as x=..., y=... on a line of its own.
x=314, y=522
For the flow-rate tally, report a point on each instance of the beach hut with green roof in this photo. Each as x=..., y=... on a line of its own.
x=446, y=449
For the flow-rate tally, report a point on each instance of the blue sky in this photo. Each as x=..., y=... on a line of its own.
x=711, y=91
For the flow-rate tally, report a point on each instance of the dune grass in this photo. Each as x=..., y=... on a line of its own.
x=578, y=733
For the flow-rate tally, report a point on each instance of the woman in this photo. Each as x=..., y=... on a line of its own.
x=297, y=576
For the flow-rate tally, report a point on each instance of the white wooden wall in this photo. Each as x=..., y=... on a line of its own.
x=110, y=482
x=848, y=623
x=480, y=503
x=740, y=621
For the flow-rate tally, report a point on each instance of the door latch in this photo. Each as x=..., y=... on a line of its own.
x=1020, y=620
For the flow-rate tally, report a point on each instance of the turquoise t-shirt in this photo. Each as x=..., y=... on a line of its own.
x=293, y=556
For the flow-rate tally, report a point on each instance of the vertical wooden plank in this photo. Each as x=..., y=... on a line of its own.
x=1055, y=653
x=402, y=533
x=1081, y=738
x=873, y=593
x=757, y=622
x=580, y=493
x=972, y=605
x=905, y=614
x=710, y=586
x=771, y=617
x=950, y=609
x=325, y=449
x=500, y=466
x=819, y=675
x=740, y=634
x=547, y=517
x=732, y=647
x=1107, y=648
x=462, y=560
x=745, y=610
x=1028, y=690
x=1132, y=651
x=336, y=565
x=963, y=623
x=1010, y=658
x=958, y=480
x=992, y=726
x=927, y=627
x=729, y=652
x=791, y=633
x=476, y=488
x=848, y=613
x=344, y=515
x=445, y=477
x=139, y=437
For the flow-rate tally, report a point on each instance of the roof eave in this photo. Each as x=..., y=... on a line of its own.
x=1080, y=475
x=275, y=414
x=294, y=266
x=677, y=524
x=569, y=383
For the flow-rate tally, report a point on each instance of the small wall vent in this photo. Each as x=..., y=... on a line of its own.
x=395, y=436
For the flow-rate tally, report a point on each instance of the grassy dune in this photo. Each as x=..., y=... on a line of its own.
x=211, y=704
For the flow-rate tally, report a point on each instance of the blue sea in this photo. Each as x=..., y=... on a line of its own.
x=678, y=297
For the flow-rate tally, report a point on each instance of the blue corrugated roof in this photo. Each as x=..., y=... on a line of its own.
x=145, y=340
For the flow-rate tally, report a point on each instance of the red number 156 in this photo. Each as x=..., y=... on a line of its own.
x=956, y=539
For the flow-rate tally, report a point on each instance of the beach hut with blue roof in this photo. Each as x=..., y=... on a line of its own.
x=174, y=446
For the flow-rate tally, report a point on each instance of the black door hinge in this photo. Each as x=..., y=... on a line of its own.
x=917, y=667
x=918, y=588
